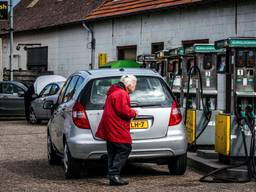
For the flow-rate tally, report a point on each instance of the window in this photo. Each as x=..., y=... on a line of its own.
x=69, y=92
x=9, y=88
x=150, y=91
x=155, y=47
x=79, y=82
x=45, y=91
x=37, y=58
x=127, y=52
x=55, y=88
x=62, y=91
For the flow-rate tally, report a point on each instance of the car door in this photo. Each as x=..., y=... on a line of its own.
x=59, y=113
x=39, y=102
x=47, y=113
x=11, y=103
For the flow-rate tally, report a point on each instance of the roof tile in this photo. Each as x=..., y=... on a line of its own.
x=111, y=8
x=49, y=13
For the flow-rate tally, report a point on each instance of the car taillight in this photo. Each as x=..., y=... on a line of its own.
x=79, y=116
x=175, y=117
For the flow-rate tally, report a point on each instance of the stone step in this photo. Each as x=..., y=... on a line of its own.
x=206, y=166
x=207, y=154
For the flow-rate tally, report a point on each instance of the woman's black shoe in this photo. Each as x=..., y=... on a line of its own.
x=116, y=180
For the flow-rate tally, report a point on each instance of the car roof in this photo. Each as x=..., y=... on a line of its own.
x=97, y=73
x=18, y=83
x=44, y=80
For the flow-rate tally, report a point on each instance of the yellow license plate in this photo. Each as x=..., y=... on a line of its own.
x=139, y=124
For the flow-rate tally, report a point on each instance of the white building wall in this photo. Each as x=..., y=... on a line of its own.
x=213, y=22
x=67, y=50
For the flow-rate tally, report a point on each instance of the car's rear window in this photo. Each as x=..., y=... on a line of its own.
x=150, y=92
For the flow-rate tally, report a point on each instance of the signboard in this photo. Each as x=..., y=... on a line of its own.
x=235, y=42
x=102, y=59
x=221, y=44
x=3, y=10
x=242, y=42
x=177, y=52
x=206, y=48
x=189, y=50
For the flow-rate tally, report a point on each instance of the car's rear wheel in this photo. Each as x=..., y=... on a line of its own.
x=178, y=165
x=32, y=117
x=72, y=167
x=53, y=158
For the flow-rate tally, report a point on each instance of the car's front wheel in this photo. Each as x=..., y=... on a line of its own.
x=32, y=117
x=178, y=165
x=72, y=167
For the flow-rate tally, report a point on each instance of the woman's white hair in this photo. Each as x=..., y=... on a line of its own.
x=128, y=79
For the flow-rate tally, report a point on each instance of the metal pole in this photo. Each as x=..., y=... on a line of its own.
x=11, y=39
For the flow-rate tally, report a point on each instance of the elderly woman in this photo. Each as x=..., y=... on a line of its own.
x=114, y=126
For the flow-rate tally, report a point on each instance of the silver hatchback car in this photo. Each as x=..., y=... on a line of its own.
x=158, y=133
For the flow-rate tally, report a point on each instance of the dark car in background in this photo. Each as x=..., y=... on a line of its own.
x=37, y=113
x=12, y=99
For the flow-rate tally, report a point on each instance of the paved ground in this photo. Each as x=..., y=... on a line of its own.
x=24, y=168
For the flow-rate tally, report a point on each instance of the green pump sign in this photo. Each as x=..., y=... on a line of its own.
x=235, y=42
x=204, y=48
x=242, y=42
x=3, y=10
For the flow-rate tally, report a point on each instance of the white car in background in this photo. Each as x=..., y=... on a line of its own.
x=44, y=80
x=44, y=86
x=50, y=92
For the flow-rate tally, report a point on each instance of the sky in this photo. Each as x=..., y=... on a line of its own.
x=15, y=2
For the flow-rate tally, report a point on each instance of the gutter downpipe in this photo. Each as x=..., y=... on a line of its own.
x=93, y=41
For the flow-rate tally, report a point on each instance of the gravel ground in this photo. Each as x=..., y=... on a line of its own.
x=24, y=168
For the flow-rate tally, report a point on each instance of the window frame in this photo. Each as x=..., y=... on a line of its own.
x=160, y=44
x=43, y=60
x=122, y=48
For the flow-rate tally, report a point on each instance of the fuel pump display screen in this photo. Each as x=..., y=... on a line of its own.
x=208, y=62
x=246, y=58
x=241, y=58
x=251, y=58
x=171, y=66
x=221, y=63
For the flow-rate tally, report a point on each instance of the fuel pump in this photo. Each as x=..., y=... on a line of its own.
x=147, y=61
x=200, y=117
x=235, y=126
x=162, y=59
x=235, y=137
x=174, y=73
x=188, y=61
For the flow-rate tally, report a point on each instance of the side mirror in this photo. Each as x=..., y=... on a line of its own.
x=21, y=93
x=34, y=96
x=48, y=105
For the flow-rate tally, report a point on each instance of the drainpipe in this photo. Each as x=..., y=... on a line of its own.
x=236, y=24
x=90, y=30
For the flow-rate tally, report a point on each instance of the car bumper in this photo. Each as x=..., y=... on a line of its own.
x=173, y=144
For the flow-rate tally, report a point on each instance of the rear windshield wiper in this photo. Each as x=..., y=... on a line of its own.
x=134, y=104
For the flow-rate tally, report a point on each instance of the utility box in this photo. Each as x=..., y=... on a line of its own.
x=102, y=59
